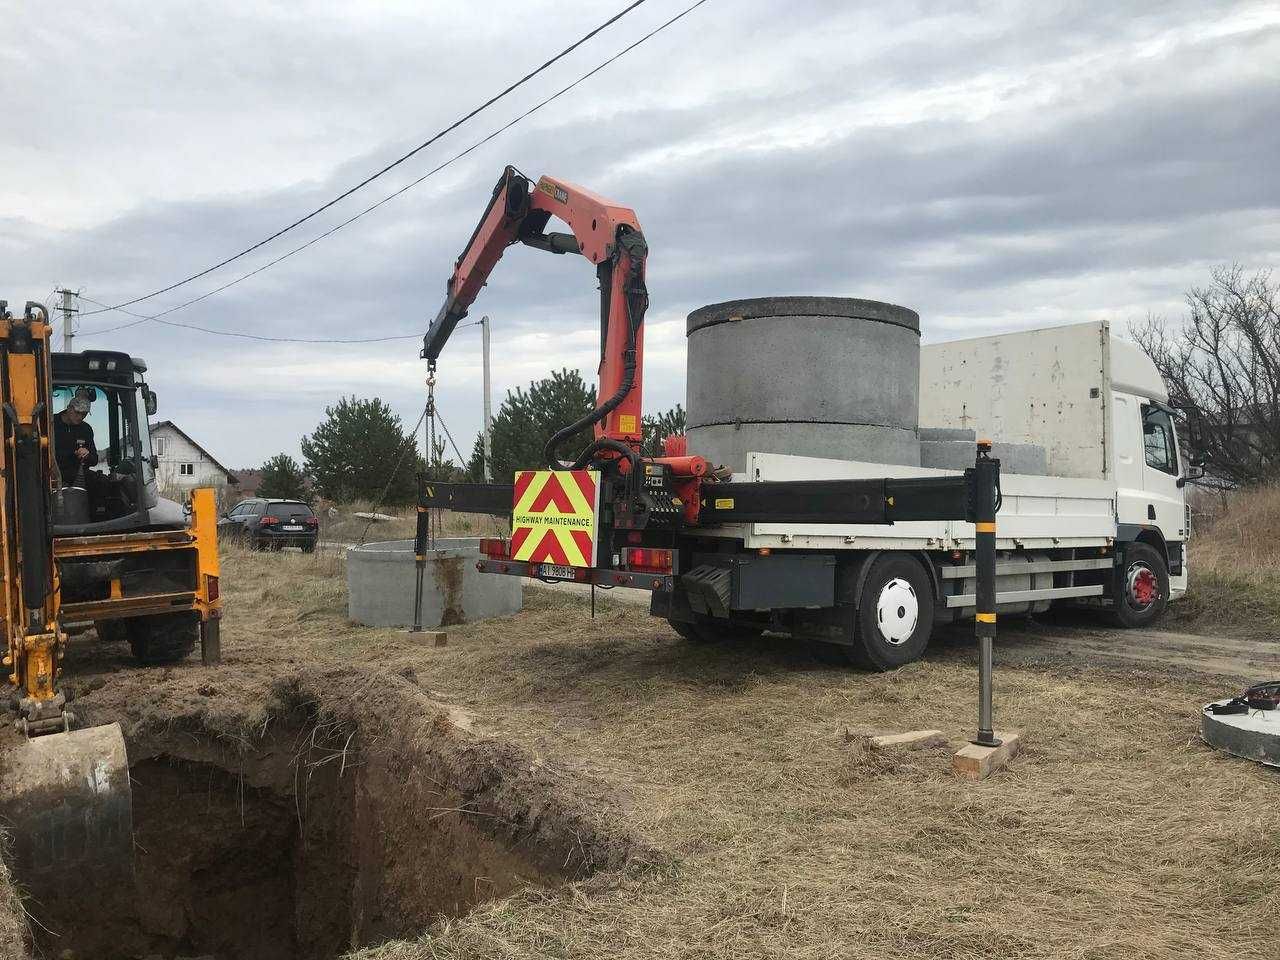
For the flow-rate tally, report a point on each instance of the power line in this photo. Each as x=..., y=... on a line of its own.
x=143, y=318
x=395, y=163
x=405, y=189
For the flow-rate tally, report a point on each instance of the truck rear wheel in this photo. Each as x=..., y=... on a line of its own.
x=163, y=639
x=1141, y=586
x=895, y=614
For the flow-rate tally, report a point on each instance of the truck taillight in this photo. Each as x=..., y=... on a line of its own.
x=495, y=548
x=648, y=559
x=212, y=588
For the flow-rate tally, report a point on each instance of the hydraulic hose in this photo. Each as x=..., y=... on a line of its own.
x=636, y=300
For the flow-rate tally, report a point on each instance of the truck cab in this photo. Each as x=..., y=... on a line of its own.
x=1146, y=461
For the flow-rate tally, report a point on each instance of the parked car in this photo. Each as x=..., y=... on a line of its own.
x=271, y=525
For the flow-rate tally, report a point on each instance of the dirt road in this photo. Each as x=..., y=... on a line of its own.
x=1083, y=635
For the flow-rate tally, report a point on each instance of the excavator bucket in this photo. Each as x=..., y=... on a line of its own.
x=66, y=804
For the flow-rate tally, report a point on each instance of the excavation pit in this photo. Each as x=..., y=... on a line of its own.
x=311, y=842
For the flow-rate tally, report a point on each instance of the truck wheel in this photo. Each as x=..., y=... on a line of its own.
x=163, y=639
x=895, y=614
x=1141, y=586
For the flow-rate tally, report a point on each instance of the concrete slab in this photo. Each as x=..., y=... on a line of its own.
x=977, y=763
x=911, y=740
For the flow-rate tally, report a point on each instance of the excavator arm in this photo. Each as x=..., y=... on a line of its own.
x=609, y=236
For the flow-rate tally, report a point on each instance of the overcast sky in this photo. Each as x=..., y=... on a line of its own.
x=994, y=167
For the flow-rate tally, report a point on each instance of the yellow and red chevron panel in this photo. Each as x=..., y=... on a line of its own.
x=554, y=520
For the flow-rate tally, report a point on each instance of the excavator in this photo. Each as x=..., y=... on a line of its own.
x=97, y=549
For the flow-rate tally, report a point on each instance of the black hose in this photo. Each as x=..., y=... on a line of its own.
x=637, y=301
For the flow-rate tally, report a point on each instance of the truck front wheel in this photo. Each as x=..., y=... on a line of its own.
x=895, y=614
x=1141, y=587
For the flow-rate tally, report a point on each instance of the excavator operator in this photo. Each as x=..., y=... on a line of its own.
x=73, y=439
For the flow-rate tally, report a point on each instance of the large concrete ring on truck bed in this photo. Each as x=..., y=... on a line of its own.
x=812, y=376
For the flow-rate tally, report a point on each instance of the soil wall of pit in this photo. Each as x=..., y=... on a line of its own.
x=320, y=833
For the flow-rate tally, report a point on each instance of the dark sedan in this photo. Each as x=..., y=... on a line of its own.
x=271, y=525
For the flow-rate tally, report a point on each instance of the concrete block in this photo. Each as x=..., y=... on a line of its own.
x=1022, y=458
x=381, y=578
x=439, y=638
x=948, y=433
x=912, y=740
x=974, y=762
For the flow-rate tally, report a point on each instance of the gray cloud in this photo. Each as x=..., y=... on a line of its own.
x=990, y=168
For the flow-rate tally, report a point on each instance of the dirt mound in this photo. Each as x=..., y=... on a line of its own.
x=323, y=812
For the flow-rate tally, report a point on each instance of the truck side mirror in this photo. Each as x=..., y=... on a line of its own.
x=1195, y=473
x=150, y=401
x=155, y=462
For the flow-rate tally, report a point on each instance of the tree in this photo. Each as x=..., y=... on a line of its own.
x=353, y=453
x=282, y=479
x=661, y=425
x=527, y=420
x=1222, y=369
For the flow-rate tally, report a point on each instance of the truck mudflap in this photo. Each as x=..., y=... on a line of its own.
x=600, y=576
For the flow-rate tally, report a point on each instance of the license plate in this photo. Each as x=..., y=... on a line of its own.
x=556, y=571
x=291, y=527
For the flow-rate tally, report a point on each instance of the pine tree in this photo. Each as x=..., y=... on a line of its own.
x=351, y=454
x=283, y=479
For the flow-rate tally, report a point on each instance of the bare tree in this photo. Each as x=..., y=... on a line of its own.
x=1222, y=369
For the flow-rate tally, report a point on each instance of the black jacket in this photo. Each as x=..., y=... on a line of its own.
x=65, y=437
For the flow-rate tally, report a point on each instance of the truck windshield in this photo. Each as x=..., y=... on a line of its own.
x=1157, y=440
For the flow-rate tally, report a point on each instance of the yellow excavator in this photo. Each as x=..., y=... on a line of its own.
x=96, y=547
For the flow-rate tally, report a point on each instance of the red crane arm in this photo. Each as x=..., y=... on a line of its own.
x=606, y=234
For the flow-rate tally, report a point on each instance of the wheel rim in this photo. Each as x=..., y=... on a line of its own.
x=1142, y=587
x=897, y=611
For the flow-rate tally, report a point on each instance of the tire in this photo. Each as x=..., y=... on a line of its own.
x=308, y=548
x=111, y=631
x=1140, y=589
x=894, y=618
x=163, y=639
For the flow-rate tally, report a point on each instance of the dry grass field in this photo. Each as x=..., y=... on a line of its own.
x=761, y=821
x=1235, y=568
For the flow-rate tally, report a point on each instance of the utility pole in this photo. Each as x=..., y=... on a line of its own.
x=488, y=409
x=68, y=323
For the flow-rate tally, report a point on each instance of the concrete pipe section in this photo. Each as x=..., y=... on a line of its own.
x=810, y=376
x=381, y=578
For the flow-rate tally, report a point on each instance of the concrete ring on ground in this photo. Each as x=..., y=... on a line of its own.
x=381, y=579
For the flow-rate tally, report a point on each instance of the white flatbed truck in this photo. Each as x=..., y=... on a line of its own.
x=1104, y=524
